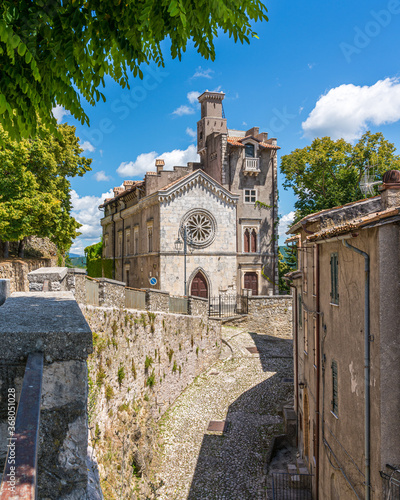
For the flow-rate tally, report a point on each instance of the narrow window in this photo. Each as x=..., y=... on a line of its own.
x=253, y=241
x=334, y=388
x=120, y=244
x=247, y=241
x=305, y=270
x=136, y=242
x=150, y=238
x=299, y=310
x=128, y=242
x=249, y=150
x=334, y=279
x=305, y=331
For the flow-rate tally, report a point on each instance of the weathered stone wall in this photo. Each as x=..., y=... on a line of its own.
x=270, y=315
x=53, y=324
x=16, y=270
x=157, y=300
x=76, y=279
x=198, y=306
x=111, y=293
x=142, y=361
x=48, y=279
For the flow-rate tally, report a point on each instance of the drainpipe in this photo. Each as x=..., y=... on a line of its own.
x=318, y=374
x=366, y=370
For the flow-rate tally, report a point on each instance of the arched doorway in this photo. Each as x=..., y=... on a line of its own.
x=199, y=286
x=251, y=282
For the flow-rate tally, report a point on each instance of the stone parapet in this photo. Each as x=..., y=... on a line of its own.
x=53, y=324
x=49, y=279
x=4, y=290
x=111, y=293
x=157, y=300
x=198, y=306
x=16, y=270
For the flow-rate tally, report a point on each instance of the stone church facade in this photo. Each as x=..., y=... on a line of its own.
x=231, y=241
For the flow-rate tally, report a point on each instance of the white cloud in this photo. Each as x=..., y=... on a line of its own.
x=203, y=73
x=192, y=133
x=85, y=210
x=310, y=65
x=101, y=176
x=145, y=161
x=183, y=110
x=59, y=112
x=87, y=146
x=348, y=110
x=284, y=224
x=192, y=96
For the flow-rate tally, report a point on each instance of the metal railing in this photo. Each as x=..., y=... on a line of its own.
x=251, y=165
x=20, y=471
x=92, y=292
x=227, y=305
x=287, y=486
x=179, y=305
x=391, y=483
x=135, y=299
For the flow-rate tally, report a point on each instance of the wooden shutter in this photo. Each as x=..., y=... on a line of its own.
x=334, y=387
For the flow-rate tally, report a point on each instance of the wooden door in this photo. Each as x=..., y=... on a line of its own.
x=199, y=286
x=251, y=281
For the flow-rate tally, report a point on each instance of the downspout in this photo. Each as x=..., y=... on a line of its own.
x=318, y=361
x=366, y=370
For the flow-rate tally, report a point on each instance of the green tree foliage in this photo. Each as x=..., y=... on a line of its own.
x=327, y=173
x=96, y=265
x=287, y=262
x=53, y=52
x=34, y=186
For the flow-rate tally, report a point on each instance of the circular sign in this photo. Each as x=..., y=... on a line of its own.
x=153, y=281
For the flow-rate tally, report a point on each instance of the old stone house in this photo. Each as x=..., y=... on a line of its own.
x=231, y=241
x=347, y=345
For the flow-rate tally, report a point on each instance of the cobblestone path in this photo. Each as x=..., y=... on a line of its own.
x=247, y=391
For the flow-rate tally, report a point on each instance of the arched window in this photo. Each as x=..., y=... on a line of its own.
x=249, y=150
x=247, y=240
x=253, y=241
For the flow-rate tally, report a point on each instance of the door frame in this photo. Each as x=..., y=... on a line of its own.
x=193, y=275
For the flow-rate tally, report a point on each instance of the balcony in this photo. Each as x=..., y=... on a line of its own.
x=251, y=166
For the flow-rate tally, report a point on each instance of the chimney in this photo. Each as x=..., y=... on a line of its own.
x=254, y=131
x=160, y=165
x=128, y=185
x=118, y=190
x=390, y=189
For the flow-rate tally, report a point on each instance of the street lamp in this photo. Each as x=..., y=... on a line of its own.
x=178, y=246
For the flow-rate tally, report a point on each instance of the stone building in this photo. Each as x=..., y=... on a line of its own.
x=347, y=345
x=232, y=242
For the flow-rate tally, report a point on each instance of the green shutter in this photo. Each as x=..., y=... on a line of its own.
x=334, y=278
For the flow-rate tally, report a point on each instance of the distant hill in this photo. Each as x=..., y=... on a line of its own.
x=78, y=261
x=75, y=255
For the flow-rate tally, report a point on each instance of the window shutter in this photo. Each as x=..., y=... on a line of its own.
x=334, y=387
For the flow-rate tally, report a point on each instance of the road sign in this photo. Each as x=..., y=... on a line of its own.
x=153, y=281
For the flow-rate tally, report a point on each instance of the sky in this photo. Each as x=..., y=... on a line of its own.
x=318, y=68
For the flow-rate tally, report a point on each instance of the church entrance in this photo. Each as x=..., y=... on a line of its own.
x=251, y=282
x=199, y=286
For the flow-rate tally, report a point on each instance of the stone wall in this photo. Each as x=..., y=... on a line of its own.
x=142, y=361
x=76, y=279
x=111, y=293
x=53, y=324
x=16, y=270
x=271, y=315
x=198, y=306
x=157, y=300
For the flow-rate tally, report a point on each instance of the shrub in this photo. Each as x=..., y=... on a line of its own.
x=175, y=367
x=134, y=370
x=114, y=327
x=197, y=350
x=148, y=362
x=146, y=397
x=121, y=374
x=151, y=379
x=170, y=354
x=101, y=375
x=109, y=393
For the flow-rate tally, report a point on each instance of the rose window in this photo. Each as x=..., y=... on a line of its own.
x=200, y=228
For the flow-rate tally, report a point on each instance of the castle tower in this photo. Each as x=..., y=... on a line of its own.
x=212, y=135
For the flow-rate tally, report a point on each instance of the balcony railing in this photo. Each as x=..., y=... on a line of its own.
x=251, y=166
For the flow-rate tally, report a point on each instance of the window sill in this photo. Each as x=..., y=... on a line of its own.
x=306, y=353
x=333, y=304
x=337, y=418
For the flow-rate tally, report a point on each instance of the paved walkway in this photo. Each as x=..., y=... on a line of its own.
x=244, y=389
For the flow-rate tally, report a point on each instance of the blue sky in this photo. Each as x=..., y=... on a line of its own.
x=318, y=68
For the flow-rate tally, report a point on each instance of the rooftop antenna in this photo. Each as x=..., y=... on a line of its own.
x=368, y=181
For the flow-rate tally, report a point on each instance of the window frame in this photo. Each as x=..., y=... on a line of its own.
x=334, y=263
x=250, y=196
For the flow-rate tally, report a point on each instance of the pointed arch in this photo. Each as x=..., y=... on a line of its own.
x=199, y=283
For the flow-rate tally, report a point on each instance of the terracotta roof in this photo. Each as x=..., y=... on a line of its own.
x=352, y=225
x=134, y=185
x=237, y=141
x=309, y=217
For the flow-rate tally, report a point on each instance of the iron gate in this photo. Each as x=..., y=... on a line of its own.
x=223, y=306
x=287, y=486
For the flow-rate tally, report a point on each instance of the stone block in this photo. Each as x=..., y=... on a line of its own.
x=4, y=290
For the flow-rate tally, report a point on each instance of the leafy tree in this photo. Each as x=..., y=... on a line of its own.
x=287, y=261
x=327, y=173
x=53, y=52
x=34, y=186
